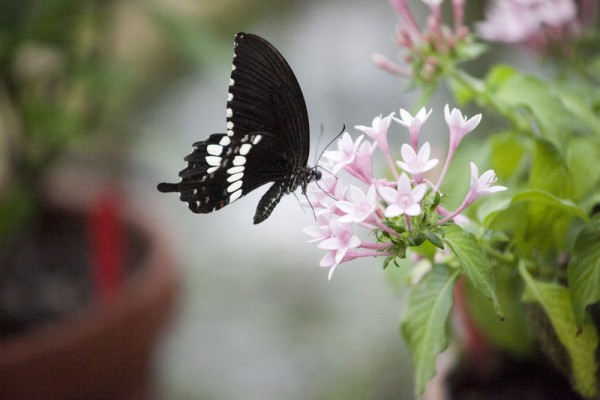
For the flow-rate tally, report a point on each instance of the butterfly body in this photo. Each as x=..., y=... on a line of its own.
x=267, y=138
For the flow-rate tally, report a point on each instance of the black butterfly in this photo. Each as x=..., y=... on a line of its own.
x=267, y=137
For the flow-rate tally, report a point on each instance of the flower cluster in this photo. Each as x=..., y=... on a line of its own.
x=538, y=24
x=402, y=212
x=429, y=50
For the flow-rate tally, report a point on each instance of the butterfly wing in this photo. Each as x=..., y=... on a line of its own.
x=267, y=137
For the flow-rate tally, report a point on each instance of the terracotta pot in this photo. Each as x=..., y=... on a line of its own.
x=105, y=351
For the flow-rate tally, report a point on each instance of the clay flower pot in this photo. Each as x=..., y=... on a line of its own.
x=106, y=349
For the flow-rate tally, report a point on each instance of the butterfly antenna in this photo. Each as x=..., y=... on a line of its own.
x=332, y=140
x=321, y=133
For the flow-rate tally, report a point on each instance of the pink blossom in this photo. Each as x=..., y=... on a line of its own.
x=482, y=185
x=341, y=239
x=459, y=125
x=413, y=124
x=360, y=206
x=361, y=166
x=320, y=231
x=345, y=153
x=536, y=23
x=378, y=130
x=416, y=164
x=405, y=199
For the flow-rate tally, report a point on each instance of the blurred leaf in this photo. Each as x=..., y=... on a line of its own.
x=474, y=262
x=536, y=220
x=512, y=333
x=16, y=206
x=580, y=342
x=583, y=163
x=197, y=42
x=584, y=270
x=549, y=171
x=513, y=91
x=508, y=153
x=424, y=323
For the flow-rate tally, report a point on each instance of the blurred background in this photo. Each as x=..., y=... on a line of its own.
x=123, y=89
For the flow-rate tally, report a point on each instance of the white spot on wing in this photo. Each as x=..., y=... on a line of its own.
x=235, y=177
x=239, y=160
x=245, y=148
x=229, y=132
x=213, y=161
x=256, y=139
x=231, y=82
x=225, y=141
x=235, y=170
x=229, y=113
x=235, y=195
x=214, y=149
x=234, y=186
x=229, y=96
x=229, y=125
x=211, y=170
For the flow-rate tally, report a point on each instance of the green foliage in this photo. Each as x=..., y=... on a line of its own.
x=474, y=262
x=584, y=270
x=579, y=340
x=424, y=322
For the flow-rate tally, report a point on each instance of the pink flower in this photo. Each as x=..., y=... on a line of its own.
x=320, y=231
x=345, y=153
x=362, y=167
x=323, y=195
x=341, y=239
x=416, y=164
x=413, y=124
x=482, y=185
x=360, y=207
x=405, y=200
x=378, y=130
x=513, y=21
x=459, y=126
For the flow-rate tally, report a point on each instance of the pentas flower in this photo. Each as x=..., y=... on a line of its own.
x=413, y=123
x=378, y=131
x=459, y=127
x=432, y=50
x=360, y=206
x=480, y=186
x=414, y=163
x=402, y=212
x=361, y=167
x=405, y=200
x=345, y=153
x=538, y=24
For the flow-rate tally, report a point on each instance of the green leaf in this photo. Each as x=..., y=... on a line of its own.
x=545, y=200
x=583, y=163
x=584, y=271
x=531, y=94
x=536, y=220
x=506, y=163
x=424, y=323
x=579, y=341
x=474, y=262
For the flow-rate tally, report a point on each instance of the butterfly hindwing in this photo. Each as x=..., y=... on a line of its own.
x=267, y=138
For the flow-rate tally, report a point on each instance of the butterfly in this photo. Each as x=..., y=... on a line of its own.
x=267, y=138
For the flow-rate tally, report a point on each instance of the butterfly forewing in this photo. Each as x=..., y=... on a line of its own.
x=264, y=95
x=267, y=138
